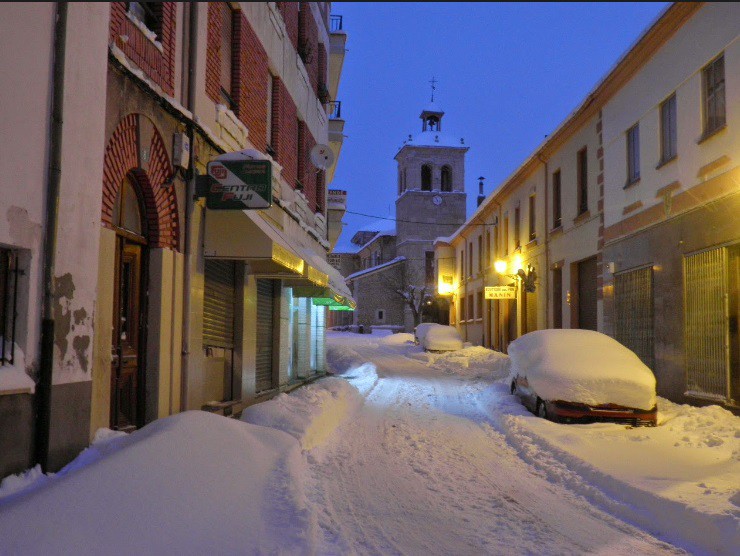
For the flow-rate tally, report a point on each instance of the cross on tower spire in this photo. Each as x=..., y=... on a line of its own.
x=433, y=82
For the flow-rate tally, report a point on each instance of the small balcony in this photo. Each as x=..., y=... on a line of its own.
x=336, y=134
x=337, y=43
x=335, y=109
x=335, y=23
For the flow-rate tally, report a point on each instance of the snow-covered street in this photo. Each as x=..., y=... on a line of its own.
x=403, y=452
x=421, y=470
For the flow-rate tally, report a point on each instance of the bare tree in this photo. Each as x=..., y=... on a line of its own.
x=417, y=298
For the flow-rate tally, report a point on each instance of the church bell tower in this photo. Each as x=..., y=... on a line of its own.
x=431, y=198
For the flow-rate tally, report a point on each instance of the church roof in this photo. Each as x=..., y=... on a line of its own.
x=376, y=268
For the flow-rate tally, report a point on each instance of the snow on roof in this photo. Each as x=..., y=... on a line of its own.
x=346, y=247
x=433, y=107
x=435, y=139
x=375, y=238
x=582, y=366
x=374, y=268
x=379, y=225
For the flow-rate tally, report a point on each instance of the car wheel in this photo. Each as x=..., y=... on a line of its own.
x=541, y=409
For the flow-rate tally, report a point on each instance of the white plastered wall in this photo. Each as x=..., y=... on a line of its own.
x=676, y=67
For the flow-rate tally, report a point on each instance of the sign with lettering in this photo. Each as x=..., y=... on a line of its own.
x=500, y=292
x=239, y=184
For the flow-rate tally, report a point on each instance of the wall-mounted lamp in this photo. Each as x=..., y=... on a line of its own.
x=528, y=276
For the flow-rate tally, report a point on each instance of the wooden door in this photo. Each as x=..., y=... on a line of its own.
x=125, y=362
x=587, y=315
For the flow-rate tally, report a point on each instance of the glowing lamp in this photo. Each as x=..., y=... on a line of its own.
x=500, y=266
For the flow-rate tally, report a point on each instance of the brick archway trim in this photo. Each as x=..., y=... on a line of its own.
x=121, y=159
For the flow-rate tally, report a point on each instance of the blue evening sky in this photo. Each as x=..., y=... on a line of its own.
x=508, y=74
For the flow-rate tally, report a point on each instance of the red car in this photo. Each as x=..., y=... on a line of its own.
x=573, y=412
x=582, y=376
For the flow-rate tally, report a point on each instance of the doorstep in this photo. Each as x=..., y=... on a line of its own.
x=221, y=408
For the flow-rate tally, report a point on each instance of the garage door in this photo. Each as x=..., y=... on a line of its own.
x=265, y=334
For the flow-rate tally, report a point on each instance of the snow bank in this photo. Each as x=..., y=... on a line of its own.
x=105, y=442
x=402, y=338
x=678, y=481
x=474, y=361
x=311, y=413
x=438, y=337
x=582, y=366
x=187, y=484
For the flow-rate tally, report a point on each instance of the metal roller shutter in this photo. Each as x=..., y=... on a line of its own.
x=319, y=338
x=633, y=302
x=706, y=329
x=219, y=301
x=265, y=333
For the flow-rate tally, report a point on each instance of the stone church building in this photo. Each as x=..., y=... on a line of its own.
x=430, y=203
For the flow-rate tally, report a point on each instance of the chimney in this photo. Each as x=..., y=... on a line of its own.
x=481, y=197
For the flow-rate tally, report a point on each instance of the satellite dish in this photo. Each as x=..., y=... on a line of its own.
x=322, y=156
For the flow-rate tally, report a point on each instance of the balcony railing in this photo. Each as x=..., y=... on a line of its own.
x=336, y=109
x=335, y=23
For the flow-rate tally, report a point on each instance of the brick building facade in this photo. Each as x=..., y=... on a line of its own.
x=208, y=309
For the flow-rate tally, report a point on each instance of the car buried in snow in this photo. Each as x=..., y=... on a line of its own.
x=581, y=376
x=438, y=337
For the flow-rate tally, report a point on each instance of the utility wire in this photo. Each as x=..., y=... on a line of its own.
x=416, y=221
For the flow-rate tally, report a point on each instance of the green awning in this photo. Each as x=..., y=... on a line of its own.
x=325, y=297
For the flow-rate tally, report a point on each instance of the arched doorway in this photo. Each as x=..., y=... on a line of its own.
x=129, y=328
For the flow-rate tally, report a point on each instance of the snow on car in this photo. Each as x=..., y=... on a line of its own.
x=581, y=376
x=438, y=337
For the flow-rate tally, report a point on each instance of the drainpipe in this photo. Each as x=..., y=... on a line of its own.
x=43, y=388
x=189, y=197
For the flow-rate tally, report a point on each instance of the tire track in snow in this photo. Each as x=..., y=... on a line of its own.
x=419, y=470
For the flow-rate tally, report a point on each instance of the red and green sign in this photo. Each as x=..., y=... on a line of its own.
x=239, y=184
